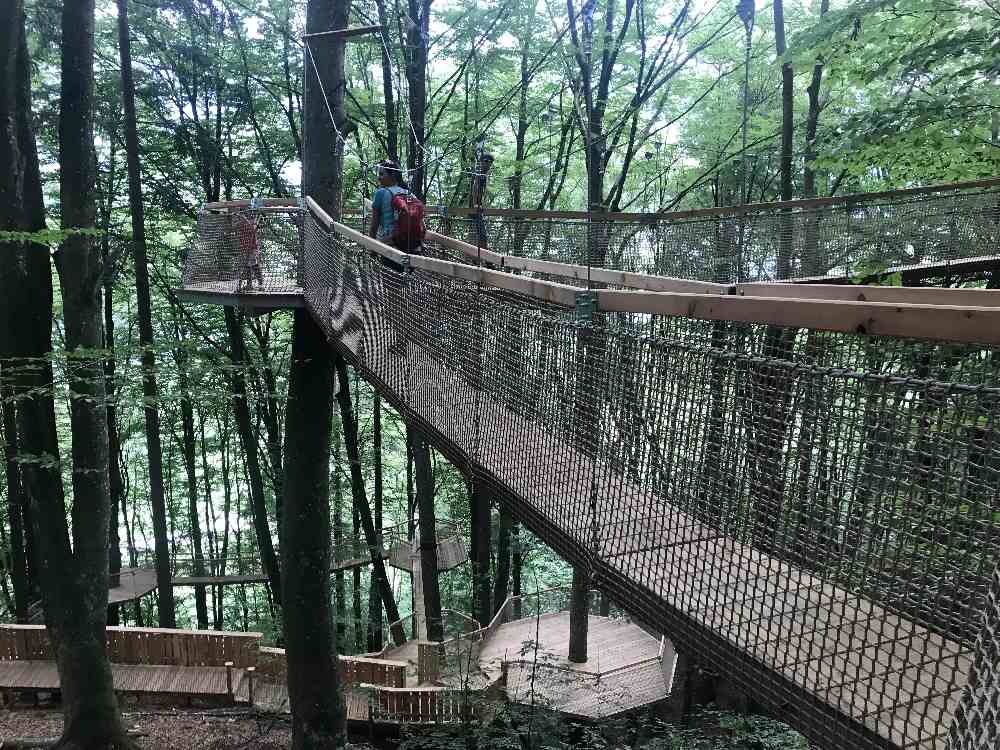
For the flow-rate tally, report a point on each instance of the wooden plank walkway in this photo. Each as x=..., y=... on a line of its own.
x=203, y=682
x=834, y=646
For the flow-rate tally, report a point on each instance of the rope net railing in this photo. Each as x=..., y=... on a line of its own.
x=850, y=238
x=246, y=250
x=811, y=512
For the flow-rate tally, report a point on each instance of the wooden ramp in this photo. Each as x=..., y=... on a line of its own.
x=806, y=640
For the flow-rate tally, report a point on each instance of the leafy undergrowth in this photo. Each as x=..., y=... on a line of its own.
x=707, y=729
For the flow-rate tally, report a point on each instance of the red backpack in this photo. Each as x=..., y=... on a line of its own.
x=409, y=230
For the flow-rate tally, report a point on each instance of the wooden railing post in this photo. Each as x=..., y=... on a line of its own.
x=229, y=681
x=250, y=674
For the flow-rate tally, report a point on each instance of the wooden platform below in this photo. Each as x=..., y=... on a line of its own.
x=134, y=583
x=227, y=293
x=450, y=554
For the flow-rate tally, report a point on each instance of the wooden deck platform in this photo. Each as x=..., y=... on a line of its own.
x=134, y=583
x=229, y=293
x=625, y=669
x=802, y=632
x=451, y=553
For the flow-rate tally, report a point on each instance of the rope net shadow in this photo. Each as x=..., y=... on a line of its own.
x=851, y=238
x=811, y=513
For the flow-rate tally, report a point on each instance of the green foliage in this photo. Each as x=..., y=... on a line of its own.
x=49, y=237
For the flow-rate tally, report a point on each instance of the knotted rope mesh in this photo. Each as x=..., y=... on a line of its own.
x=850, y=239
x=810, y=513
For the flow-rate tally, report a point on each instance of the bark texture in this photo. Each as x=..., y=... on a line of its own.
x=151, y=410
x=316, y=701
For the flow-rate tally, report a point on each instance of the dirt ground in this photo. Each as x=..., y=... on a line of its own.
x=168, y=729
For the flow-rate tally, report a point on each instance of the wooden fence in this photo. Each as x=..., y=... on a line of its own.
x=146, y=646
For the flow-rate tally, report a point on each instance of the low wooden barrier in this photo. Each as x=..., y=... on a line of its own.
x=144, y=646
x=272, y=665
x=206, y=664
x=422, y=705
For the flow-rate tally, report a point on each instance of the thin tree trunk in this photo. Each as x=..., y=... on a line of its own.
x=428, y=536
x=787, y=129
x=391, y=121
x=319, y=719
x=579, y=614
x=359, y=630
x=374, y=602
x=115, y=483
x=502, y=580
x=517, y=562
x=15, y=503
x=417, y=40
x=361, y=499
x=194, y=521
x=480, y=536
x=340, y=590
x=812, y=124
x=165, y=593
x=248, y=439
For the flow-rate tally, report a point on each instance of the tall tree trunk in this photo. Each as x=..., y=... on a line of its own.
x=812, y=121
x=417, y=40
x=787, y=101
x=339, y=589
x=75, y=580
x=322, y=176
x=503, y=559
x=189, y=448
x=115, y=483
x=359, y=628
x=248, y=439
x=15, y=513
x=516, y=563
x=374, y=602
x=579, y=615
x=428, y=535
x=480, y=536
x=361, y=500
x=388, y=94
x=319, y=719
x=151, y=411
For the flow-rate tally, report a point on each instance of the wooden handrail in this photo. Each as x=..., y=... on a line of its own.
x=958, y=323
x=872, y=293
x=907, y=315
x=576, y=271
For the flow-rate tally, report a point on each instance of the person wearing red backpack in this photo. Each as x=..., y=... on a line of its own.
x=397, y=214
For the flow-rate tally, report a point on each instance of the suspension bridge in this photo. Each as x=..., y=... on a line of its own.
x=798, y=483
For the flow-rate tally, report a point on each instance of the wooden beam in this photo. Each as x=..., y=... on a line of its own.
x=546, y=291
x=957, y=323
x=910, y=314
x=865, y=293
x=346, y=33
x=579, y=272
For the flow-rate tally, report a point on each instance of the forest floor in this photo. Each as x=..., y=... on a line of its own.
x=169, y=729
